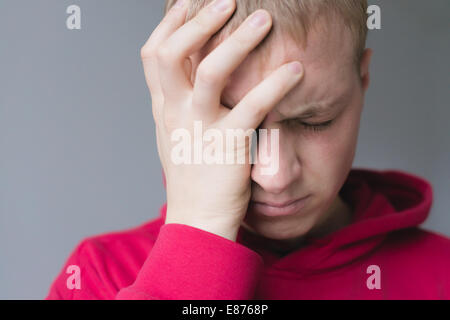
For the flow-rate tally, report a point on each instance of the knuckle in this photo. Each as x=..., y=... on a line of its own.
x=260, y=112
x=258, y=106
x=207, y=75
x=279, y=85
x=171, y=120
x=239, y=41
x=201, y=25
x=155, y=116
x=147, y=51
x=164, y=54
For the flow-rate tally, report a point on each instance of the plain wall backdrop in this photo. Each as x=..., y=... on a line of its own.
x=78, y=154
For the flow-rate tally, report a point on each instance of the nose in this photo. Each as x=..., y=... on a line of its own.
x=289, y=167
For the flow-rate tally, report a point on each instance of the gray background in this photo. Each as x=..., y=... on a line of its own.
x=77, y=145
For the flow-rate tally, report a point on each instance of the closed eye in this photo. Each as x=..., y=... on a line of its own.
x=309, y=126
x=318, y=126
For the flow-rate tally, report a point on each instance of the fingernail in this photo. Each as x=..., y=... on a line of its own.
x=296, y=67
x=221, y=5
x=259, y=19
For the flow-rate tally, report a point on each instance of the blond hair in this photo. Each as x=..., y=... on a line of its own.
x=295, y=18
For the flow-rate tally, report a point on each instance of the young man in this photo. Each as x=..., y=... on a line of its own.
x=313, y=229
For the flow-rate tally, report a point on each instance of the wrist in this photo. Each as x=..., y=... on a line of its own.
x=224, y=230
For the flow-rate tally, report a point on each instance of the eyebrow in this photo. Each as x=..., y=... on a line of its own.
x=317, y=108
x=312, y=110
x=309, y=110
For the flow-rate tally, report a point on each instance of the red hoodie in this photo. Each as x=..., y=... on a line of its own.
x=381, y=255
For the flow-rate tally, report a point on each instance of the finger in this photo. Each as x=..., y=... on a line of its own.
x=254, y=107
x=174, y=18
x=188, y=39
x=216, y=68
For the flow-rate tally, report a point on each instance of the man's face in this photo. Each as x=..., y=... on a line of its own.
x=313, y=161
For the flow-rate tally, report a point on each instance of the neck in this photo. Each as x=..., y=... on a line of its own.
x=337, y=217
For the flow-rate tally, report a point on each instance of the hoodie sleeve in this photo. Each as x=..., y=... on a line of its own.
x=190, y=263
x=185, y=263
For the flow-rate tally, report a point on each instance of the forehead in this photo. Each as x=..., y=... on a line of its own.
x=327, y=57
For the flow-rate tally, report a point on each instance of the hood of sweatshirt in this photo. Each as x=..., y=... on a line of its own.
x=382, y=202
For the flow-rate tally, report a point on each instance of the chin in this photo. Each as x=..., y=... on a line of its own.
x=282, y=228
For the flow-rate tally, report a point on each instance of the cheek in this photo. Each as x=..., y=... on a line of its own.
x=327, y=156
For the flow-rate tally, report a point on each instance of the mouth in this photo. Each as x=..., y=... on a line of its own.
x=271, y=209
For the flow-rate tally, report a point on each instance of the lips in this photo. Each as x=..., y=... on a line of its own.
x=272, y=209
x=277, y=205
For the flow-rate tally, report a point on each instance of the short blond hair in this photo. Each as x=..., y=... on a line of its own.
x=295, y=18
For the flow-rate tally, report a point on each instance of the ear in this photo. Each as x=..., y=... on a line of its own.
x=364, y=68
